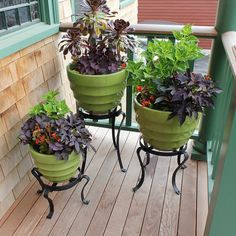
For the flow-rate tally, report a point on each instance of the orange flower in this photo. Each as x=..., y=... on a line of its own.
x=146, y=103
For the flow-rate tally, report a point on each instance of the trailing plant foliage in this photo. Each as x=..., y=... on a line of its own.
x=165, y=82
x=52, y=133
x=98, y=45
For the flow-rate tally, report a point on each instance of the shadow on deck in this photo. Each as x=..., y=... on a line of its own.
x=114, y=209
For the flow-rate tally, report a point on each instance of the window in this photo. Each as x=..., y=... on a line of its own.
x=15, y=14
x=25, y=22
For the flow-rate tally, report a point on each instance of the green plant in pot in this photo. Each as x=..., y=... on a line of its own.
x=170, y=98
x=56, y=139
x=98, y=47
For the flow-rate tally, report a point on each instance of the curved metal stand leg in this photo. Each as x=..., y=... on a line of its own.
x=147, y=155
x=140, y=181
x=113, y=121
x=179, y=159
x=82, y=192
x=180, y=166
x=50, y=202
x=118, y=143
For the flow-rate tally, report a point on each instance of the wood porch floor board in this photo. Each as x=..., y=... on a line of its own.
x=114, y=209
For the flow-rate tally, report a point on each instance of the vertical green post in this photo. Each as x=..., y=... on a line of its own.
x=226, y=21
x=222, y=212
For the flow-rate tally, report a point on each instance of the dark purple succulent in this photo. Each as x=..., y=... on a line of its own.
x=97, y=45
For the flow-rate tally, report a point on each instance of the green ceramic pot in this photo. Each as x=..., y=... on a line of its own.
x=56, y=170
x=161, y=133
x=97, y=93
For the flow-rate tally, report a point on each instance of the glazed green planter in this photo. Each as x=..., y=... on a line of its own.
x=97, y=93
x=56, y=170
x=161, y=133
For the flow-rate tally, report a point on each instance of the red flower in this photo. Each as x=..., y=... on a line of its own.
x=42, y=138
x=139, y=88
x=123, y=65
x=146, y=103
x=37, y=141
x=152, y=98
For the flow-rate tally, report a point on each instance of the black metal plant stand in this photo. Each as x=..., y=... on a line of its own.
x=112, y=116
x=150, y=150
x=46, y=189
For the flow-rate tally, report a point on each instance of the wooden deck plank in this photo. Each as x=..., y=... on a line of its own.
x=188, y=211
x=202, y=197
x=118, y=217
x=19, y=213
x=74, y=205
x=33, y=217
x=169, y=219
x=114, y=209
x=85, y=215
x=153, y=213
x=16, y=203
x=104, y=209
x=137, y=209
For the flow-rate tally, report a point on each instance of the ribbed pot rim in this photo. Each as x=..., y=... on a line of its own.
x=41, y=154
x=85, y=75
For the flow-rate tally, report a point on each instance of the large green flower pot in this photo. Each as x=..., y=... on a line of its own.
x=97, y=93
x=161, y=133
x=56, y=170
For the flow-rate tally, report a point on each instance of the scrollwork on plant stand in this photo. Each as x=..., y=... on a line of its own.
x=46, y=189
x=150, y=150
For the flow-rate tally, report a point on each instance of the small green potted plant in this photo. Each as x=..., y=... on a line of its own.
x=98, y=47
x=170, y=98
x=56, y=140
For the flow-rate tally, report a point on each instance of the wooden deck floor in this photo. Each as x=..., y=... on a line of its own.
x=114, y=209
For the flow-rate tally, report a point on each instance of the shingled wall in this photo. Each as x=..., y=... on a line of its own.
x=24, y=77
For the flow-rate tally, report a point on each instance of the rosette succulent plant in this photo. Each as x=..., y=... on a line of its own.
x=49, y=131
x=98, y=45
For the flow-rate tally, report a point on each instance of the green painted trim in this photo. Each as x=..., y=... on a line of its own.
x=16, y=41
x=56, y=12
x=222, y=211
x=210, y=168
x=126, y=3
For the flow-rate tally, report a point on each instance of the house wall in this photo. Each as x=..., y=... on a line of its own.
x=24, y=77
x=196, y=12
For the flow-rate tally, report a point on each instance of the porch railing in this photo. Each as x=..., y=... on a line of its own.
x=147, y=31
x=222, y=141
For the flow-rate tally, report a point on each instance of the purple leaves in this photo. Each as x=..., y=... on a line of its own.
x=98, y=45
x=187, y=95
x=59, y=137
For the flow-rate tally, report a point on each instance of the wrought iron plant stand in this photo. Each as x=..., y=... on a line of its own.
x=46, y=188
x=148, y=149
x=112, y=116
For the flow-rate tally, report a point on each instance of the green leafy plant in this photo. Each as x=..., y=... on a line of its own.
x=50, y=106
x=164, y=80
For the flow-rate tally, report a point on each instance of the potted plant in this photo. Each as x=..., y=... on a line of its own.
x=170, y=98
x=98, y=49
x=56, y=141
